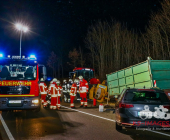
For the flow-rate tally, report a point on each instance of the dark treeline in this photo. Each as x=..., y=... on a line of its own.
x=111, y=46
x=114, y=47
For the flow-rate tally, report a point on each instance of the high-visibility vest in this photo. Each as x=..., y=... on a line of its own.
x=58, y=89
x=43, y=88
x=73, y=89
x=64, y=87
x=52, y=90
x=83, y=86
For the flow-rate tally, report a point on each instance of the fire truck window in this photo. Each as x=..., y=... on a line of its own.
x=4, y=73
x=29, y=73
x=14, y=69
x=86, y=74
x=22, y=69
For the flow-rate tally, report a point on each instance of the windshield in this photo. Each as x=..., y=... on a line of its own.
x=146, y=96
x=17, y=70
x=86, y=74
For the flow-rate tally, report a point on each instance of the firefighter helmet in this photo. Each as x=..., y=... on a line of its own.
x=80, y=77
x=76, y=80
x=70, y=80
x=64, y=81
x=58, y=82
x=41, y=79
x=54, y=80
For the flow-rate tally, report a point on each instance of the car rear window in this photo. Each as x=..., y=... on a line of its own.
x=145, y=96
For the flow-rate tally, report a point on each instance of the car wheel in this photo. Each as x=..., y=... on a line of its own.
x=118, y=127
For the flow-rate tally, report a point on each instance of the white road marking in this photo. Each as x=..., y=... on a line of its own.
x=159, y=133
x=111, y=120
x=6, y=128
x=89, y=114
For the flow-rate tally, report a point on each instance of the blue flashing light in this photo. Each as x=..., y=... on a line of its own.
x=32, y=56
x=49, y=78
x=1, y=55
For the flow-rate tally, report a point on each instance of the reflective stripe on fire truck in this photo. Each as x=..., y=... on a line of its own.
x=15, y=95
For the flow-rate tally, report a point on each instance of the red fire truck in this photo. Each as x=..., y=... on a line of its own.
x=87, y=73
x=19, y=83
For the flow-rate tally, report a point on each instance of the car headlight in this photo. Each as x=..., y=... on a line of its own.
x=35, y=101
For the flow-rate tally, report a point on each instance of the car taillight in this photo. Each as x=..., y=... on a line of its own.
x=125, y=105
x=167, y=106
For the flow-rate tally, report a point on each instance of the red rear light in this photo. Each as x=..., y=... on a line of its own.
x=125, y=105
x=167, y=106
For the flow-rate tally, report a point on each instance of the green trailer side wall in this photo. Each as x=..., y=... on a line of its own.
x=140, y=75
x=134, y=76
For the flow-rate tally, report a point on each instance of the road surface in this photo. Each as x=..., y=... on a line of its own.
x=69, y=124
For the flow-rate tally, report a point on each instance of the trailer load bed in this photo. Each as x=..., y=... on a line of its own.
x=150, y=73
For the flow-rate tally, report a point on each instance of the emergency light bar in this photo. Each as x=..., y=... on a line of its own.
x=32, y=57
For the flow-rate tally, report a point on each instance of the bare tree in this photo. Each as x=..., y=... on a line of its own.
x=51, y=62
x=74, y=56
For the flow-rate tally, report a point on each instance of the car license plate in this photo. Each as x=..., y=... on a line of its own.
x=14, y=101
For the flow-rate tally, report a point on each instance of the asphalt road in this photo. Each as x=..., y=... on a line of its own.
x=67, y=124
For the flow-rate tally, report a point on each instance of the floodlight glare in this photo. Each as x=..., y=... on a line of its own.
x=22, y=29
x=25, y=29
x=18, y=26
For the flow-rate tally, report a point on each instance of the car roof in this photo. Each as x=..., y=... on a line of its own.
x=145, y=89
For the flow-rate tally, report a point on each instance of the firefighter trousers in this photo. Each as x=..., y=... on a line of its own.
x=72, y=101
x=83, y=97
x=53, y=103
x=43, y=98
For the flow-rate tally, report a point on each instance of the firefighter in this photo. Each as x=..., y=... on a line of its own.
x=70, y=82
x=43, y=90
x=78, y=94
x=59, y=90
x=73, y=92
x=64, y=86
x=83, y=89
x=53, y=93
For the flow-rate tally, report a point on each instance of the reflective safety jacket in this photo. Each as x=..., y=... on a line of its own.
x=73, y=90
x=64, y=87
x=69, y=86
x=83, y=86
x=52, y=89
x=58, y=89
x=43, y=88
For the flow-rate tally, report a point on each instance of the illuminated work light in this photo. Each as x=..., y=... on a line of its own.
x=8, y=56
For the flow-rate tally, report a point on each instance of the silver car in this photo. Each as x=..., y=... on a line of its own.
x=142, y=108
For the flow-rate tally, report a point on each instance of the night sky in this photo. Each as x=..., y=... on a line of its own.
x=63, y=24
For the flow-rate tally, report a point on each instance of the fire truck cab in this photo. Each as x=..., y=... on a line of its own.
x=19, y=83
x=87, y=73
